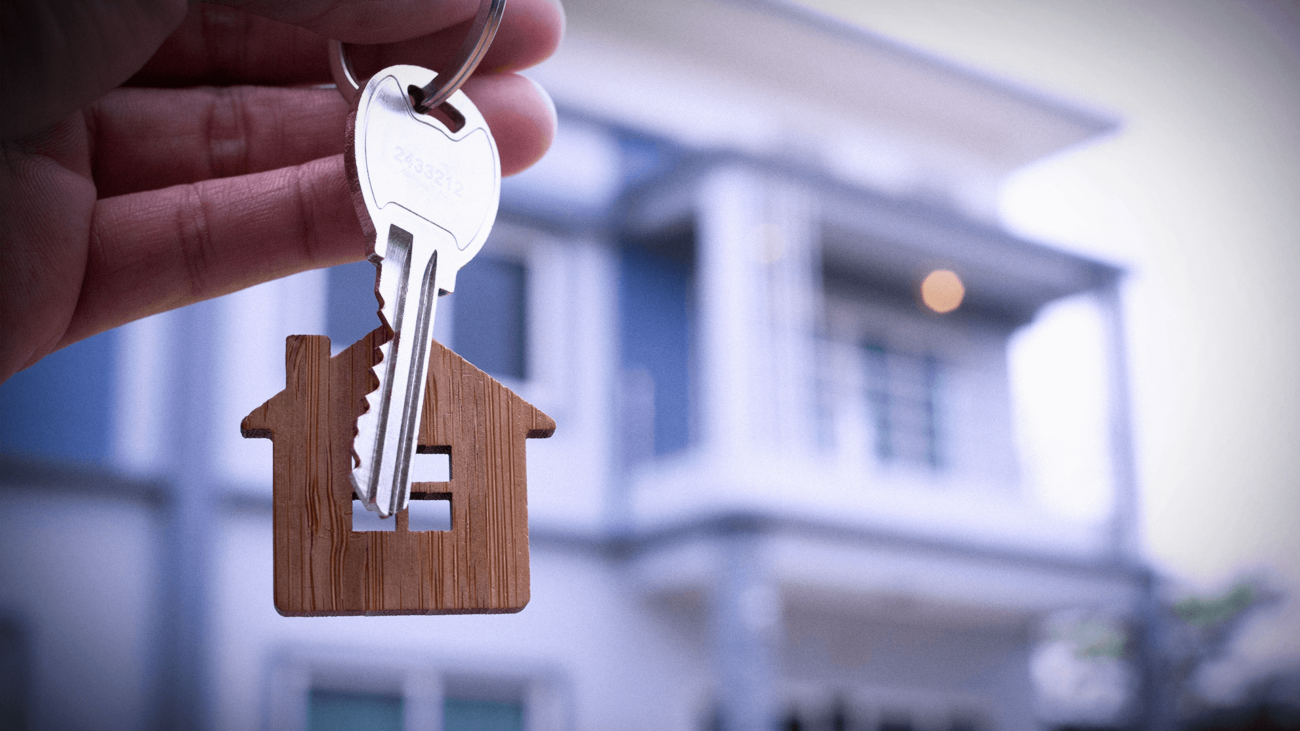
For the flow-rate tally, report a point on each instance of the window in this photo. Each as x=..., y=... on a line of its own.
x=62, y=407
x=488, y=313
x=903, y=392
x=655, y=318
x=462, y=714
x=490, y=327
x=331, y=710
x=383, y=689
x=335, y=710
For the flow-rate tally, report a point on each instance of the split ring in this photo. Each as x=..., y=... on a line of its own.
x=442, y=86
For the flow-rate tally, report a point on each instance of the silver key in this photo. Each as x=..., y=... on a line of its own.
x=431, y=196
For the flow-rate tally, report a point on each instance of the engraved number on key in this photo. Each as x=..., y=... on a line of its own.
x=430, y=196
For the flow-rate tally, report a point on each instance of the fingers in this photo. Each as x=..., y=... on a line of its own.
x=145, y=139
x=222, y=46
x=529, y=33
x=156, y=251
x=57, y=56
x=364, y=21
x=520, y=115
x=216, y=45
x=45, y=208
x=161, y=249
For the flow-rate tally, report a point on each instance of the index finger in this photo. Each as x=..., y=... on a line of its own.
x=222, y=46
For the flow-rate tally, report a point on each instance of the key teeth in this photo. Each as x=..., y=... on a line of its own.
x=369, y=415
x=372, y=385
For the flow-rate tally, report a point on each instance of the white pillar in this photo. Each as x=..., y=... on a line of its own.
x=791, y=272
x=1124, y=522
x=729, y=201
x=758, y=282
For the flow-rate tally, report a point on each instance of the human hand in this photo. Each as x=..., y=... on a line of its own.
x=154, y=155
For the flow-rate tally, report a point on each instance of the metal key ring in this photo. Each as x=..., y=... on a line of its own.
x=442, y=86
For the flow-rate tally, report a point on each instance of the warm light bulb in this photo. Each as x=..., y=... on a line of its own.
x=942, y=291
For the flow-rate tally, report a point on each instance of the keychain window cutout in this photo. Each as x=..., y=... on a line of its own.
x=367, y=521
x=429, y=465
x=429, y=511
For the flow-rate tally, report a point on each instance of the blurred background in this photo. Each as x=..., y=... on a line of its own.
x=923, y=365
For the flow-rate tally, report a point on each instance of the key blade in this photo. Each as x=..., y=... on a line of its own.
x=386, y=432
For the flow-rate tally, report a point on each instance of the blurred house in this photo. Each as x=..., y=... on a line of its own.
x=783, y=490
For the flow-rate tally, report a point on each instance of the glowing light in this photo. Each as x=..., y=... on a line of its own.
x=942, y=291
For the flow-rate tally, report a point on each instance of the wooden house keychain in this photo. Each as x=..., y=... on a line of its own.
x=425, y=178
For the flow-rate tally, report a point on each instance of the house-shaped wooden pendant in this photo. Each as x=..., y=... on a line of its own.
x=322, y=566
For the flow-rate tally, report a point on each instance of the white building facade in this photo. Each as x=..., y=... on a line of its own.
x=781, y=492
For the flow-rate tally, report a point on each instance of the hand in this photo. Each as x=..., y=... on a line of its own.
x=154, y=156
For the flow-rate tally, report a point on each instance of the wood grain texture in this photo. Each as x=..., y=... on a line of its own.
x=322, y=566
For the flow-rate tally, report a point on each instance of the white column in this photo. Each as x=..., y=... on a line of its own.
x=1125, y=515
x=757, y=279
x=728, y=212
x=791, y=272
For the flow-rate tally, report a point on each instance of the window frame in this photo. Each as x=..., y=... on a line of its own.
x=549, y=275
x=422, y=681
x=857, y=319
x=885, y=368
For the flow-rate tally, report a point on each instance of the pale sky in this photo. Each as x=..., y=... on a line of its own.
x=1198, y=195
